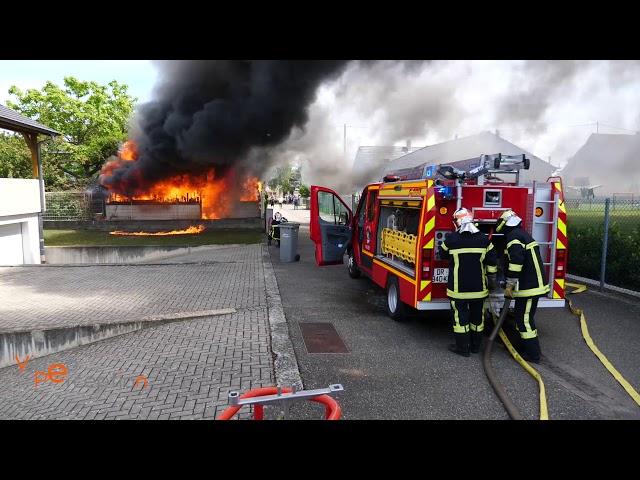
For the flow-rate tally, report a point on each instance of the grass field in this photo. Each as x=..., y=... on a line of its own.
x=625, y=219
x=59, y=238
x=585, y=229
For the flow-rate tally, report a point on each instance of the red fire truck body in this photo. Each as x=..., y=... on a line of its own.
x=394, y=234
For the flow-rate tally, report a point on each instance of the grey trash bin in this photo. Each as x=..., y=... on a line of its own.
x=289, y=241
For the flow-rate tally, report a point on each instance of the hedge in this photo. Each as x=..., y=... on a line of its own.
x=623, y=252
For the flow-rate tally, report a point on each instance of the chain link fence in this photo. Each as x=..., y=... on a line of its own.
x=604, y=239
x=72, y=206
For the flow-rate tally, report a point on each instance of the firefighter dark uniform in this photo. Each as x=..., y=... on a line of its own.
x=526, y=281
x=471, y=256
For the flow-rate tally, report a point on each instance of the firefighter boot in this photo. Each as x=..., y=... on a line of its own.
x=530, y=349
x=476, y=341
x=461, y=346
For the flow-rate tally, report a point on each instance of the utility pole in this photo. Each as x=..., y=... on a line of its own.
x=597, y=126
x=345, y=141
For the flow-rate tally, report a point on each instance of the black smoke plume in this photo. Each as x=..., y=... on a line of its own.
x=211, y=114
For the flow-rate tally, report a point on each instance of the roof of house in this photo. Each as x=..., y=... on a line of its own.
x=607, y=159
x=370, y=161
x=12, y=120
x=460, y=149
x=603, y=148
x=466, y=148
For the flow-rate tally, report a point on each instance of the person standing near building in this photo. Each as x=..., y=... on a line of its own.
x=472, y=273
x=526, y=281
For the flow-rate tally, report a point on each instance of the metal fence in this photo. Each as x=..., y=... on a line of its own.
x=72, y=206
x=604, y=239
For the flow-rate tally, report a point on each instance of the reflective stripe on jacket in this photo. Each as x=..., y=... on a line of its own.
x=470, y=256
x=525, y=264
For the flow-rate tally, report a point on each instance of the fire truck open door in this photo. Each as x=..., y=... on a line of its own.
x=330, y=225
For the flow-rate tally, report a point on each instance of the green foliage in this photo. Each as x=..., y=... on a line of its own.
x=67, y=206
x=304, y=191
x=92, y=119
x=15, y=158
x=623, y=257
x=623, y=250
x=283, y=179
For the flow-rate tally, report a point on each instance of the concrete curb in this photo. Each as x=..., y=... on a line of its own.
x=607, y=287
x=285, y=363
x=122, y=255
x=39, y=342
x=142, y=262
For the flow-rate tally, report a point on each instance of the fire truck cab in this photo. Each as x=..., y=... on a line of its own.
x=399, y=223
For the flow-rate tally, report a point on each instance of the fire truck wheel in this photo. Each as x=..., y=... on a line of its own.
x=395, y=307
x=354, y=271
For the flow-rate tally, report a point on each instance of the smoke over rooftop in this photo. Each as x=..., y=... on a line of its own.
x=213, y=113
x=546, y=107
x=255, y=114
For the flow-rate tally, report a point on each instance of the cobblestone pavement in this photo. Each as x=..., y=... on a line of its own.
x=190, y=365
x=47, y=297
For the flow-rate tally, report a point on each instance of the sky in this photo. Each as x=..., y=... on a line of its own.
x=546, y=107
x=139, y=75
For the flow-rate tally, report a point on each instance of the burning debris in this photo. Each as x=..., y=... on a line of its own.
x=193, y=230
x=216, y=196
x=198, y=137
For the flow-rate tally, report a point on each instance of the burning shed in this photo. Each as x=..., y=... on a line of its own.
x=183, y=196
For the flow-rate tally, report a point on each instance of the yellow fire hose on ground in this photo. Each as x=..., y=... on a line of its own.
x=587, y=338
x=544, y=413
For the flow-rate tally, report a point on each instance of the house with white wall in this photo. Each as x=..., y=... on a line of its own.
x=22, y=199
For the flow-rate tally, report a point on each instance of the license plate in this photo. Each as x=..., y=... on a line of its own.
x=440, y=275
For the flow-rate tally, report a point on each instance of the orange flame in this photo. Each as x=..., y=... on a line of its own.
x=214, y=194
x=206, y=190
x=129, y=151
x=250, y=189
x=192, y=230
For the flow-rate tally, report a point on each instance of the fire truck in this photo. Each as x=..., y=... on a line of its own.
x=395, y=233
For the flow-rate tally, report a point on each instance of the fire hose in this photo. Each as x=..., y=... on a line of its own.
x=587, y=338
x=491, y=376
x=499, y=389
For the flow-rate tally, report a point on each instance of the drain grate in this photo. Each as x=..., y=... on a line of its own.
x=322, y=338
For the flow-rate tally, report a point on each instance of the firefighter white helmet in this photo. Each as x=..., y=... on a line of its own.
x=463, y=220
x=509, y=219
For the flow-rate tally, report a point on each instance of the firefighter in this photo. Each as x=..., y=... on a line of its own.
x=471, y=257
x=526, y=280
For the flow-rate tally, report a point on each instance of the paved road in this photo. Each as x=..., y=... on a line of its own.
x=403, y=370
x=190, y=365
x=56, y=296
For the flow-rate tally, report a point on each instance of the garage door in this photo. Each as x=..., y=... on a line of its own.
x=11, y=244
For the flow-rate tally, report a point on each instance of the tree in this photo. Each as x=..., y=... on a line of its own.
x=304, y=191
x=15, y=158
x=283, y=179
x=93, y=121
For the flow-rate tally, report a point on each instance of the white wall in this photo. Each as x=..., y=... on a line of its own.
x=19, y=196
x=155, y=211
x=25, y=226
x=19, y=232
